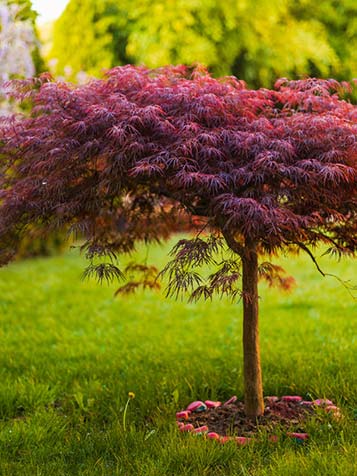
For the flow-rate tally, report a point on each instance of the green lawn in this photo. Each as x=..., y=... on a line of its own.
x=71, y=352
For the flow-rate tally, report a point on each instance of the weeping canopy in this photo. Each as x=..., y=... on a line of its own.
x=125, y=158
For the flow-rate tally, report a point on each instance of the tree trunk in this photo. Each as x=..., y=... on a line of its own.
x=253, y=388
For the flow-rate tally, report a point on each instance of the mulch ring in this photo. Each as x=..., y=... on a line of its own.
x=228, y=421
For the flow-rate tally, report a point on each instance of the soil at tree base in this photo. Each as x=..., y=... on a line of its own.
x=231, y=419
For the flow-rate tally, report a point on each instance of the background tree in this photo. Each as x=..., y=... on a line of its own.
x=257, y=41
x=339, y=21
x=90, y=36
x=119, y=159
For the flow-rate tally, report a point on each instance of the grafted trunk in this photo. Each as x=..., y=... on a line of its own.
x=253, y=388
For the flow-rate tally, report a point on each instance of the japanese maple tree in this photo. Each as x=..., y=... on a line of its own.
x=121, y=159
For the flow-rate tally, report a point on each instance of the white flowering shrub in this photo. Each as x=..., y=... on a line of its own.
x=17, y=42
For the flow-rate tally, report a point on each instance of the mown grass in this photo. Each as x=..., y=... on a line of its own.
x=71, y=352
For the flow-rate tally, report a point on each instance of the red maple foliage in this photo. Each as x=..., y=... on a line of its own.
x=121, y=159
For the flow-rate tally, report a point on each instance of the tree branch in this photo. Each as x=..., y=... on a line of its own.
x=349, y=287
x=306, y=249
x=233, y=245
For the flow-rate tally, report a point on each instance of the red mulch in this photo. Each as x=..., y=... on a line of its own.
x=231, y=420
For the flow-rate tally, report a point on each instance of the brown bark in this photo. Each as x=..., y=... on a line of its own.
x=253, y=388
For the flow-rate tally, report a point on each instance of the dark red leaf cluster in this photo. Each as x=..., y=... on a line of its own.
x=120, y=159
